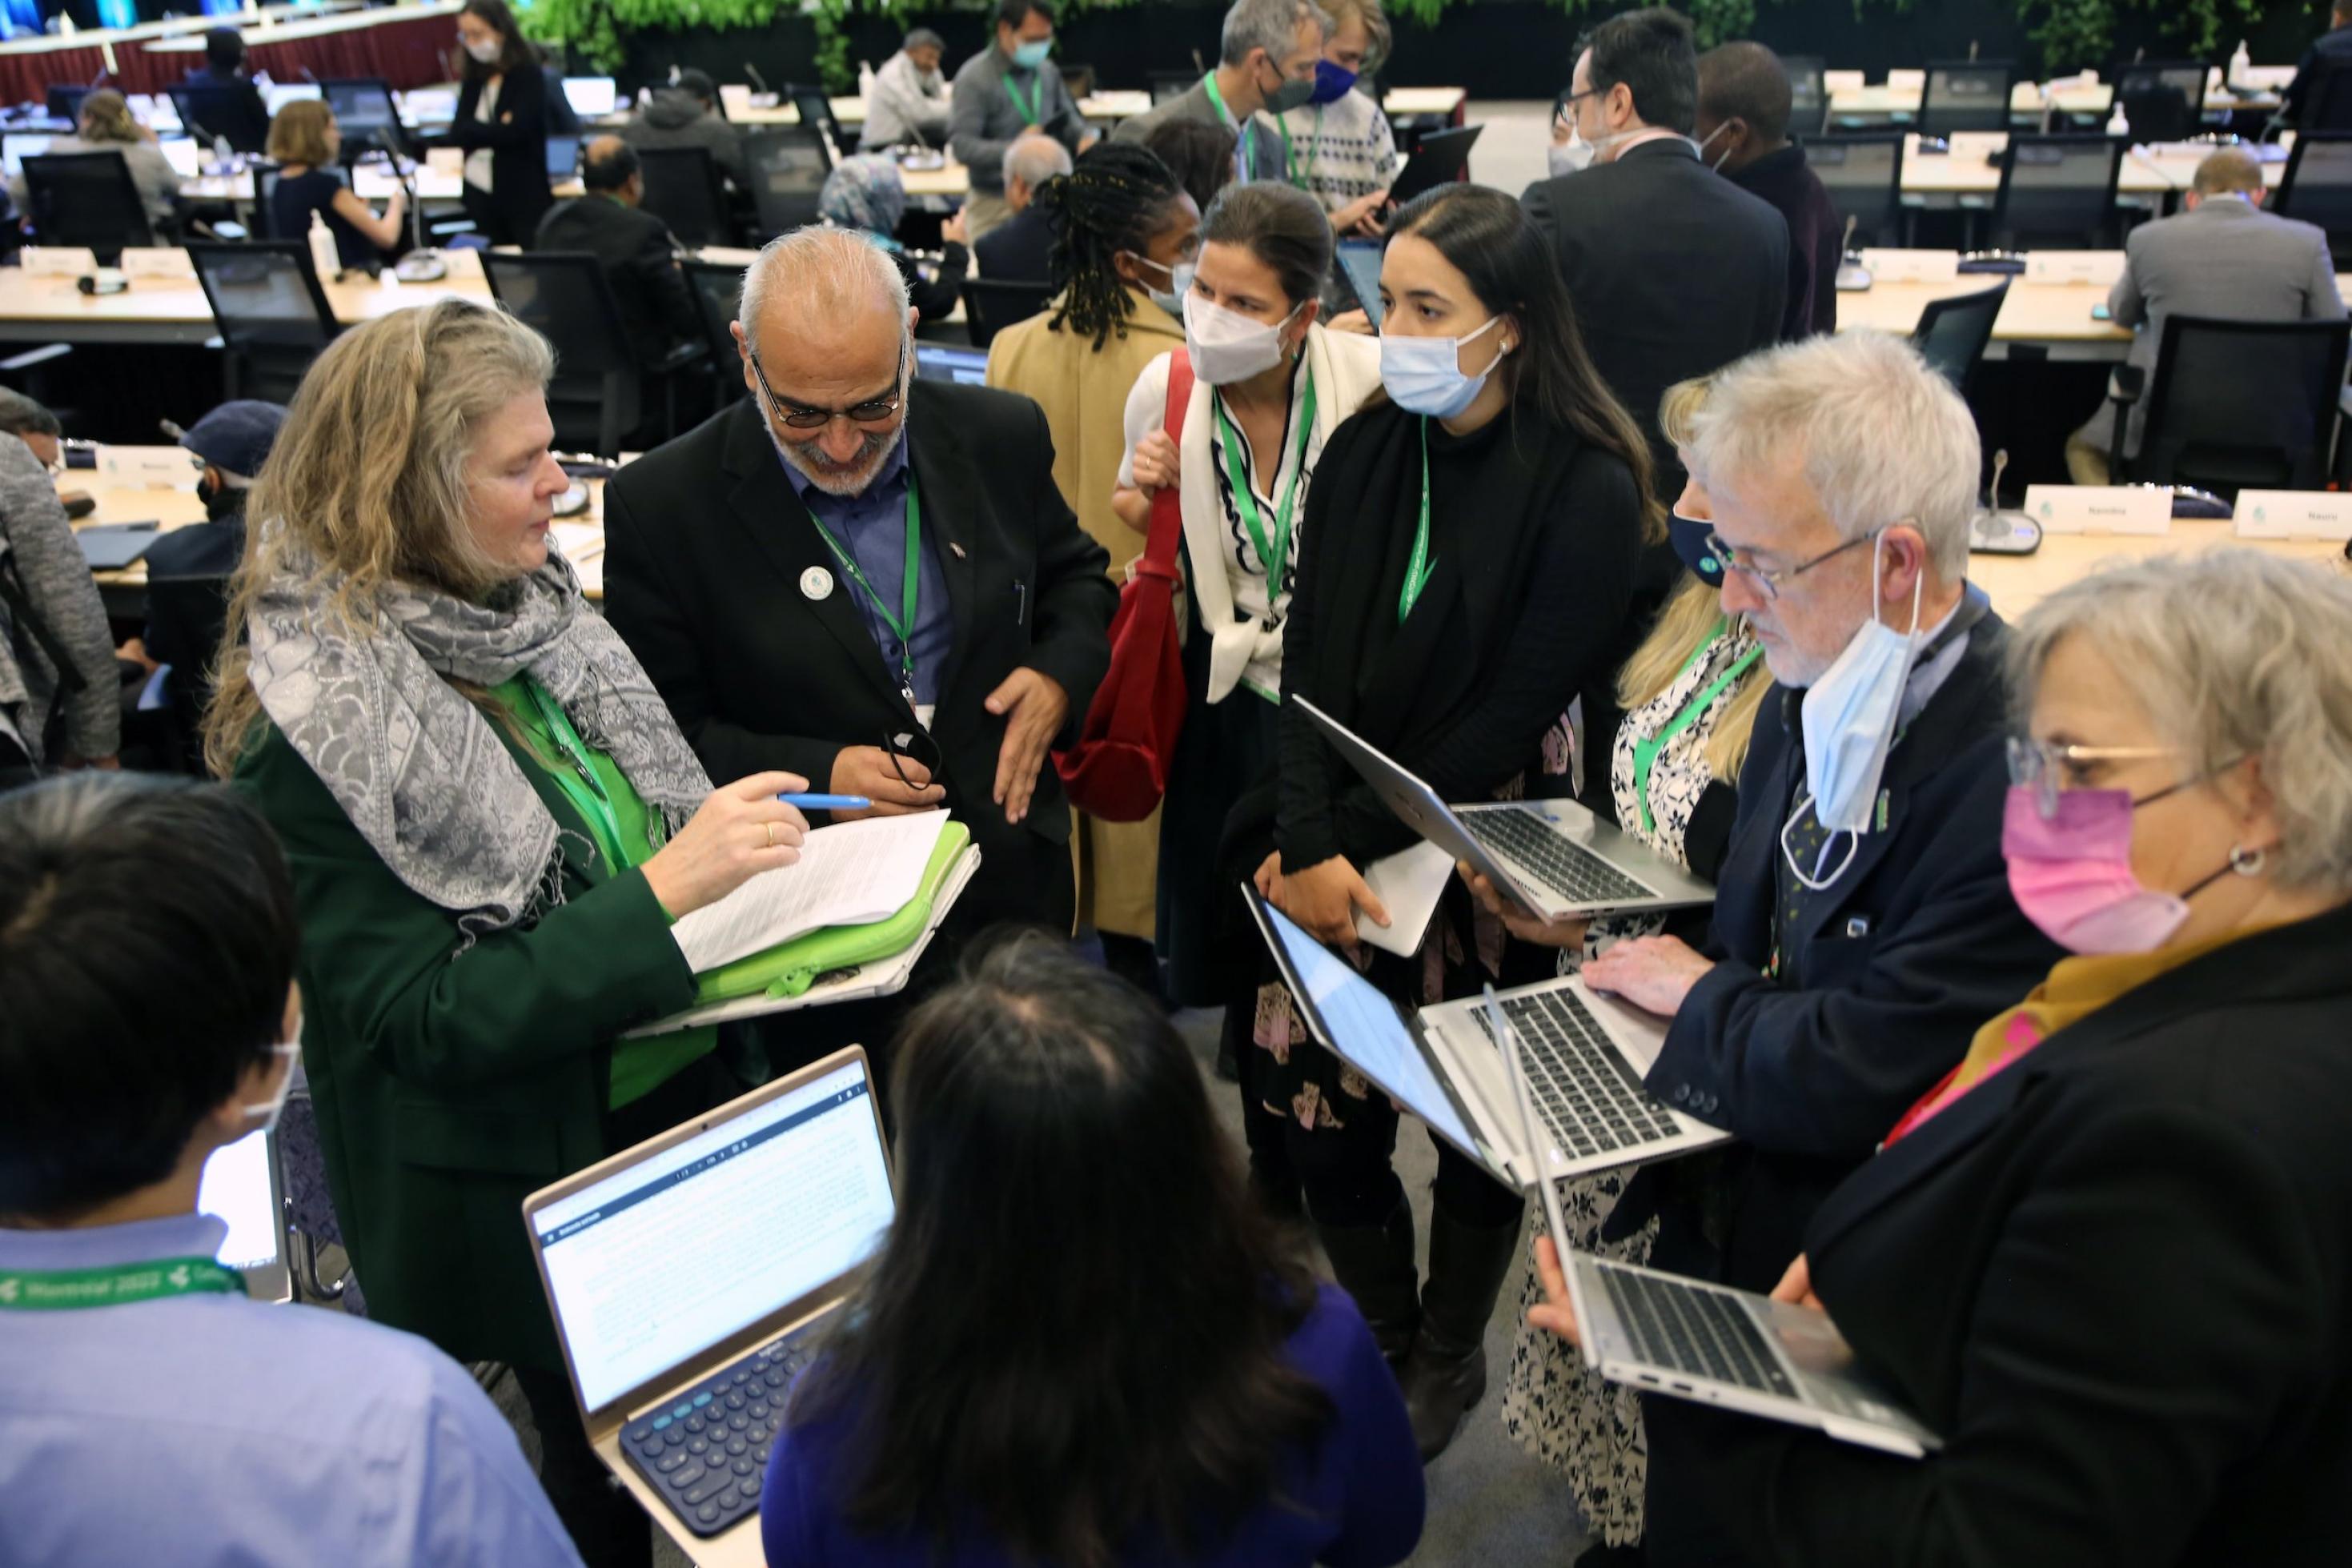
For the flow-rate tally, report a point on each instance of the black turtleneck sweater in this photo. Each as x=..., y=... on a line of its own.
x=1816, y=237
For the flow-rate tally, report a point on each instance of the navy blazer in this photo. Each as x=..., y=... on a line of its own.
x=2116, y=1278
x=1882, y=986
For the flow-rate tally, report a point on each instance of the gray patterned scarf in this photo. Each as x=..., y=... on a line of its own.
x=415, y=766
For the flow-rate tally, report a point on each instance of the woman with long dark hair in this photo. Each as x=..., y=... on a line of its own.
x=501, y=124
x=1467, y=574
x=1082, y=1344
x=1123, y=231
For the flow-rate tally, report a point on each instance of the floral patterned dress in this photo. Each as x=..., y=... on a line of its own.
x=1566, y=1415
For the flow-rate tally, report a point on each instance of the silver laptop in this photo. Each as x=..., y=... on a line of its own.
x=688, y=1277
x=1444, y=1065
x=243, y=1186
x=1704, y=1342
x=1553, y=857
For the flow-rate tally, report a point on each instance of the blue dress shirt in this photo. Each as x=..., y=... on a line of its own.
x=210, y=1429
x=872, y=527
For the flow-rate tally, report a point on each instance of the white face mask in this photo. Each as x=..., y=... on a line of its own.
x=1849, y=718
x=1721, y=158
x=1227, y=345
x=486, y=52
x=1573, y=156
x=269, y=1112
x=1423, y=375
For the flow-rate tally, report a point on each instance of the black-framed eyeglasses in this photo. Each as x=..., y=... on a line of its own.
x=1767, y=580
x=917, y=746
x=874, y=410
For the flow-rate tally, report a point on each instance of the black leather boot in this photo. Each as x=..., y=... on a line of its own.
x=1447, y=1375
x=1374, y=1264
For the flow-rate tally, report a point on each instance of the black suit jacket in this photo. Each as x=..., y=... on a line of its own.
x=705, y=543
x=233, y=107
x=640, y=260
x=1816, y=237
x=1020, y=250
x=517, y=137
x=1879, y=991
x=1674, y=273
x=2330, y=51
x=2113, y=1277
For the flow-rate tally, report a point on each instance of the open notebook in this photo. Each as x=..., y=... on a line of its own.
x=851, y=874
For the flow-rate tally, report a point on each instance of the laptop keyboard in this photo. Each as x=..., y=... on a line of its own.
x=706, y=1454
x=1583, y=1087
x=1568, y=868
x=1694, y=1329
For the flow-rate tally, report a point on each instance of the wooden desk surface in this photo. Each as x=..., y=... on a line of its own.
x=2027, y=99
x=2016, y=583
x=173, y=309
x=1969, y=169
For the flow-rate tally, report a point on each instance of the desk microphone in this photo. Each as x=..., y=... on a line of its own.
x=1853, y=276
x=423, y=264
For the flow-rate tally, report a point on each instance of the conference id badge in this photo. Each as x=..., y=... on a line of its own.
x=2293, y=515
x=2100, y=508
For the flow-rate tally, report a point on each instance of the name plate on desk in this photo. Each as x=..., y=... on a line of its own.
x=56, y=261
x=172, y=465
x=1913, y=265
x=158, y=261
x=2099, y=509
x=446, y=160
x=2101, y=267
x=2294, y=515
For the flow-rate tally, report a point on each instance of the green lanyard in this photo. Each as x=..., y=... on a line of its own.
x=64, y=1290
x=1645, y=752
x=1244, y=136
x=1418, y=571
x=1026, y=107
x=909, y=592
x=575, y=751
x=1275, y=556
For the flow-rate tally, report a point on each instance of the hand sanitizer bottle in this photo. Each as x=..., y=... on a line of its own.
x=325, y=259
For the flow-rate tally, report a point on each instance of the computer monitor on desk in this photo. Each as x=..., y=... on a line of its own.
x=278, y=95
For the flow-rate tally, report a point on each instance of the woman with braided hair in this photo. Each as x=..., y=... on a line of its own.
x=1123, y=231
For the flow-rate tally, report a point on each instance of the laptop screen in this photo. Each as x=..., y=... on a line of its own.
x=1360, y=265
x=186, y=158
x=282, y=93
x=1366, y=1026
x=948, y=362
x=658, y=1262
x=235, y=1187
x=590, y=95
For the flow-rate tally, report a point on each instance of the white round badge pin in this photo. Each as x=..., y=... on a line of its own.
x=816, y=584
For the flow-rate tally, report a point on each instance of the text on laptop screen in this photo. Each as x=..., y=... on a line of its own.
x=1367, y=1028
x=665, y=1260
x=945, y=362
x=235, y=1187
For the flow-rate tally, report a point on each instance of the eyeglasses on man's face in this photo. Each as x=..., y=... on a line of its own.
x=1767, y=580
x=800, y=416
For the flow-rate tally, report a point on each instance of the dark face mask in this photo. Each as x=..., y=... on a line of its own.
x=1689, y=537
x=219, y=500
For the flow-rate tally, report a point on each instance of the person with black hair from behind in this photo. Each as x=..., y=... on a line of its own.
x=154, y=1415
x=1082, y=1344
x=1201, y=156
x=638, y=252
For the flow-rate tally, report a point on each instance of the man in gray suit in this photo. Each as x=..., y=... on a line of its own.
x=2222, y=256
x=1265, y=61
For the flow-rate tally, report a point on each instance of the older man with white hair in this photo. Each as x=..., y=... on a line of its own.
x=870, y=575
x=1863, y=927
x=1022, y=251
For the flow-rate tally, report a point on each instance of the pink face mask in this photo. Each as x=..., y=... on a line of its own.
x=2071, y=873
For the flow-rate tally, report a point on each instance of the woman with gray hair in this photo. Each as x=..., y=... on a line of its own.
x=59, y=704
x=493, y=823
x=2107, y=1258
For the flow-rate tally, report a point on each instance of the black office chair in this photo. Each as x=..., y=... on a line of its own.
x=1952, y=333
x=718, y=289
x=788, y=166
x=225, y=111
x=685, y=190
x=367, y=114
x=2058, y=192
x=1808, y=97
x=2162, y=101
x=87, y=199
x=597, y=397
x=816, y=109
x=2327, y=101
x=2233, y=405
x=1863, y=177
x=273, y=316
x=990, y=306
x=2317, y=188
x=64, y=99
x=1965, y=95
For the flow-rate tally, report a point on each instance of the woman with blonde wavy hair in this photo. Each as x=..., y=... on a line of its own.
x=493, y=823
x=1690, y=692
x=107, y=125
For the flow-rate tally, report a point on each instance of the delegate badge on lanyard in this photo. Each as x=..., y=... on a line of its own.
x=66, y=1289
x=1418, y=571
x=1273, y=554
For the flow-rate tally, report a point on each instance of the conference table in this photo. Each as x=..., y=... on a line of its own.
x=1898, y=98
x=1972, y=166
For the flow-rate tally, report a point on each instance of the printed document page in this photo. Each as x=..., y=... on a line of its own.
x=851, y=874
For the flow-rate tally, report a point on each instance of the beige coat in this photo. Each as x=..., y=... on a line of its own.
x=1084, y=393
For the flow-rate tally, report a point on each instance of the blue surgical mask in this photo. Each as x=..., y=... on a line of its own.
x=1029, y=55
x=1180, y=284
x=1689, y=537
x=1332, y=82
x=1849, y=718
x=1423, y=375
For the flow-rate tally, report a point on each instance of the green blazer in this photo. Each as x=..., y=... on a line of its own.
x=450, y=1085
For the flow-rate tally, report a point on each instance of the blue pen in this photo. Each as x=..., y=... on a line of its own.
x=826, y=802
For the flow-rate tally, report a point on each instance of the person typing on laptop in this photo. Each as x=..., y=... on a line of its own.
x=1863, y=927
x=1082, y=1342
x=2105, y=1256
x=153, y=1414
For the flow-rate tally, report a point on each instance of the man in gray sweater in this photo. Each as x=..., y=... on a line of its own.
x=54, y=651
x=1005, y=92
